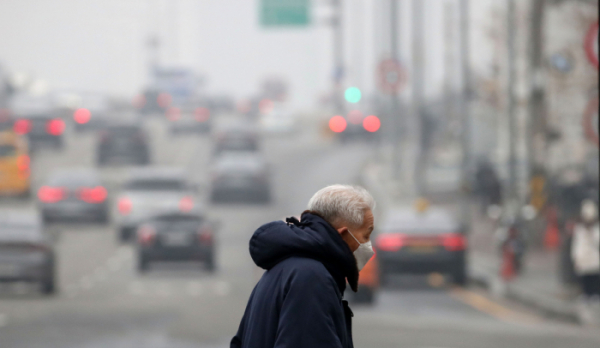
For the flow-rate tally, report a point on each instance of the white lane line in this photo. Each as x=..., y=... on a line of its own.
x=222, y=288
x=3, y=319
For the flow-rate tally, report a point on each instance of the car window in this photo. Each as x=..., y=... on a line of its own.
x=155, y=185
x=7, y=150
x=74, y=180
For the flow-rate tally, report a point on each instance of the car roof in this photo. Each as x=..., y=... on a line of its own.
x=408, y=220
x=27, y=218
x=239, y=159
x=157, y=173
x=32, y=106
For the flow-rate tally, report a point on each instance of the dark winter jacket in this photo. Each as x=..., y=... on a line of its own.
x=298, y=301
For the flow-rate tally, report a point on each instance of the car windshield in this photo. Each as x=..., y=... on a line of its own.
x=123, y=131
x=175, y=222
x=74, y=179
x=7, y=150
x=156, y=185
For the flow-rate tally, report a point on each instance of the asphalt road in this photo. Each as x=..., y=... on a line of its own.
x=104, y=302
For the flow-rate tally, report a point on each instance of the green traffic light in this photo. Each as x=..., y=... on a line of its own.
x=353, y=95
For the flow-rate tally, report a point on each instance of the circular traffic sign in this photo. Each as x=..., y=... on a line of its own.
x=590, y=121
x=392, y=76
x=591, y=44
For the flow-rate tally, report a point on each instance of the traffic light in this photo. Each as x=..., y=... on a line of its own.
x=353, y=95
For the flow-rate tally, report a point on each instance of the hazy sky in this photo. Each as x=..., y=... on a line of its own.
x=99, y=45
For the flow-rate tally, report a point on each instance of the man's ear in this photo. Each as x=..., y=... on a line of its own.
x=341, y=230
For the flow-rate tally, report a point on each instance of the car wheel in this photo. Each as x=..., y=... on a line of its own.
x=210, y=262
x=364, y=294
x=143, y=264
x=459, y=276
x=48, y=286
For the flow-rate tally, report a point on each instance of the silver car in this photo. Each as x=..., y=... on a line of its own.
x=240, y=176
x=26, y=253
x=149, y=191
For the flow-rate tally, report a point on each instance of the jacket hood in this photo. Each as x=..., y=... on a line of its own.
x=313, y=238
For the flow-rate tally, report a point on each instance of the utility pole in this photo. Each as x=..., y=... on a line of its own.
x=417, y=82
x=338, y=54
x=465, y=49
x=397, y=124
x=537, y=120
x=512, y=122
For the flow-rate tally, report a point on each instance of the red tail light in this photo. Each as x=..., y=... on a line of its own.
x=186, y=204
x=371, y=123
x=337, y=124
x=146, y=234
x=205, y=235
x=55, y=126
x=390, y=242
x=82, y=116
x=93, y=195
x=201, y=114
x=49, y=194
x=22, y=126
x=454, y=242
x=164, y=100
x=23, y=162
x=124, y=206
x=173, y=113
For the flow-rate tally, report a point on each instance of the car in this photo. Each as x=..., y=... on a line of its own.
x=188, y=120
x=240, y=176
x=176, y=236
x=15, y=171
x=37, y=118
x=356, y=126
x=421, y=241
x=123, y=142
x=277, y=120
x=27, y=252
x=92, y=114
x=149, y=191
x=236, y=136
x=73, y=194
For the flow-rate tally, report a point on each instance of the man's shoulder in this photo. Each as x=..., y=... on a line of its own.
x=305, y=268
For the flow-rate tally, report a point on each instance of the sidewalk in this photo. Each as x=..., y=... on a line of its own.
x=537, y=286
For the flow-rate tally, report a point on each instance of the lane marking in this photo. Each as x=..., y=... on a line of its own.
x=490, y=307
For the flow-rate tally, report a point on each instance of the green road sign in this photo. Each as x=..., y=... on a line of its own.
x=287, y=13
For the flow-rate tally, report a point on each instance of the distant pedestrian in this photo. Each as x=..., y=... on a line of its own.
x=585, y=250
x=298, y=301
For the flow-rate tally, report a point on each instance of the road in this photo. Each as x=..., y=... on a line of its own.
x=104, y=302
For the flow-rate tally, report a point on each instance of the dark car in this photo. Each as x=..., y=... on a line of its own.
x=188, y=120
x=73, y=195
x=421, y=242
x=125, y=143
x=356, y=126
x=26, y=252
x=150, y=191
x=93, y=113
x=240, y=176
x=36, y=117
x=238, y=136
x=176, y=236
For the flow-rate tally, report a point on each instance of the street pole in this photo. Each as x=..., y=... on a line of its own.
x=512, y=122
x=536, y=120
x=338, y=55
x=397, y=124
x=417, y=82
x=465, y=49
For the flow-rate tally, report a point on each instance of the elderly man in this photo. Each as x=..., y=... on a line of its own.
x=298, y=301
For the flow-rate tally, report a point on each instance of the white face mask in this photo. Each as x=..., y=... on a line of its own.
x=363, y=254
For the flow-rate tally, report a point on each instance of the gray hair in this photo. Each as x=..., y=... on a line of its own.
x=342, y=204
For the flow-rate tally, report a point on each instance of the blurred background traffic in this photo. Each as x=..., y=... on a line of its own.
x=142, y=142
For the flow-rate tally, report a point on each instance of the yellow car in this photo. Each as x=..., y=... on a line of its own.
x=14, y=165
